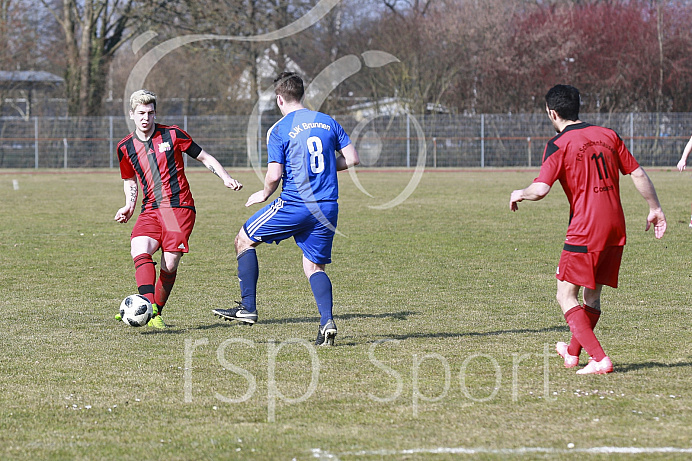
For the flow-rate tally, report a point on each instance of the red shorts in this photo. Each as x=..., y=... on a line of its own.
x=171, y=227
x=592, y=268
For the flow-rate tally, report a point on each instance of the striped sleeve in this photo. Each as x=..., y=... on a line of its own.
x=186, y=143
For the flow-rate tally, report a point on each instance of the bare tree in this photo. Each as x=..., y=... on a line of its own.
x=618, y=53
x=20, y=35
x=93, y=31
x=232, y=72
x=460, y=55
x=441, y=46
x=24, y=46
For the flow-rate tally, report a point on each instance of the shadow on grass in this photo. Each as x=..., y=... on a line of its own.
x=403, y=315
x=169, y=330
x=476, y=333
x=394, y=315
x=626, y=368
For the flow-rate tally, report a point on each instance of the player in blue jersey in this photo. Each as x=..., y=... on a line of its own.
x=305, y=150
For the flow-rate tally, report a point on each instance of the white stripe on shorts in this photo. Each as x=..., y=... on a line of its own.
x=264, y=217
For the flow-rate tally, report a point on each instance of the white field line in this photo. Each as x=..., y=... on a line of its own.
x=320, y=454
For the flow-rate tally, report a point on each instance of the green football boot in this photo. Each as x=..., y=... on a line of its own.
x=156, y=321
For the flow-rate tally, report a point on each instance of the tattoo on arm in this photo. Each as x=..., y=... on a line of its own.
x=211, y=168
x=133, y=194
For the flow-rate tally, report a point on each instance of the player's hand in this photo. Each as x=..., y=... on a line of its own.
x=682, y=165
x=257, y=197
x=124, y=214
x=515, y=198
x=658, y=219
x=232, y=184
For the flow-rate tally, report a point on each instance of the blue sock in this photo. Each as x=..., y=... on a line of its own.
x=248, y=272
x=322, y=289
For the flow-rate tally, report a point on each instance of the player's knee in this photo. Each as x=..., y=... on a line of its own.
x=311, y=268
x=561, y=299
x=242, y=242
x=310, y=272
x=237, y=241
x=136, y=252
x=170, y=261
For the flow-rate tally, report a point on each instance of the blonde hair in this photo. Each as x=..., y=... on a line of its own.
x=142, y=97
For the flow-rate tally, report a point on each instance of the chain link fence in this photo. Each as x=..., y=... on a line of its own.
x=433, y=141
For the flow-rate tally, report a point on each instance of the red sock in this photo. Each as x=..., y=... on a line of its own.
x=574, y=347
x=580, y=325
x=593, y=314
x=145, y=275
x=164, y=287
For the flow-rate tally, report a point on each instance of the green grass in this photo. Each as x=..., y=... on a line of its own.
x=446, y=314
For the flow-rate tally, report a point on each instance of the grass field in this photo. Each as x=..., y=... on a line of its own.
x=447, y=323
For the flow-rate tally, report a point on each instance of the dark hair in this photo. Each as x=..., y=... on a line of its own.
x=564, y=99
x=290, y=86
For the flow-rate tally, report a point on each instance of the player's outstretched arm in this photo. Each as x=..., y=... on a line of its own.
x=271, y=182
x=536, y=191
x=215, y=167
x=685, y=153
x=348, y=158
x=646, y=188
x=131, y=190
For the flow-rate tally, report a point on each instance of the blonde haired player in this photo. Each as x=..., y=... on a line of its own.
x=153, y=154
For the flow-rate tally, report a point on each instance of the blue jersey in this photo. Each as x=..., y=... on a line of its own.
x=304, y=142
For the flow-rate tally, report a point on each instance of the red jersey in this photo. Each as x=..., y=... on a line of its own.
x=588, y=160
x=158, y=163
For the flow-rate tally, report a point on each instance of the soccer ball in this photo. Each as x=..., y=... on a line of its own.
x=136, y=310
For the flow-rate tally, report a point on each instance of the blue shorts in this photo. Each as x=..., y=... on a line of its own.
x=312, y=226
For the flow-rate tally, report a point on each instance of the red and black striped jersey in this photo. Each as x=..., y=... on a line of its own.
x=588, y=161
x=158, y=163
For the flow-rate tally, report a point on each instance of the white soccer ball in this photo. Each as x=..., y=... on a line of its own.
x=136, y=310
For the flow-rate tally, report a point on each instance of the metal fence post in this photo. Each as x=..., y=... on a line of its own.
x=259, y=139
x=36, y=142
x=482, y=140
x=110, y=140
x=185, y=129
x=434, y=152
x=632, y=132
x=408, y=141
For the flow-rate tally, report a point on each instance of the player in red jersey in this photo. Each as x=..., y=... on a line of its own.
x=153, y=153
x=588, y=160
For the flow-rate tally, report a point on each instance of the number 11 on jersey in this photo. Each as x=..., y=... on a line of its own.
x=595, y=158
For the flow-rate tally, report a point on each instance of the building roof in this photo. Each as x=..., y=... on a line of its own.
x=28, y=79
